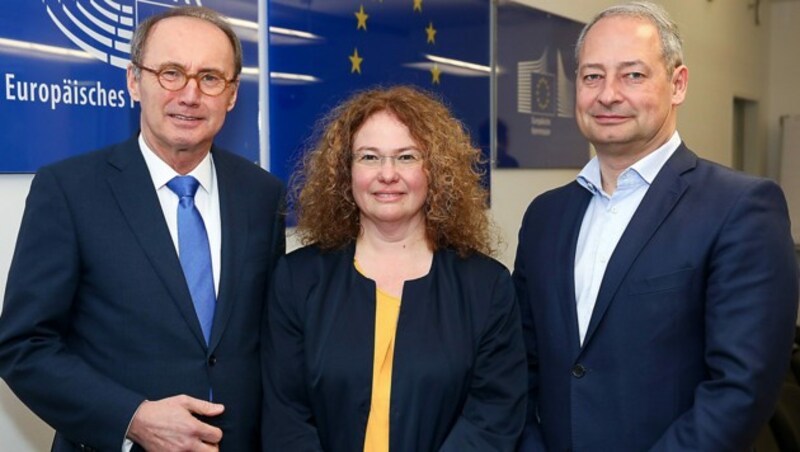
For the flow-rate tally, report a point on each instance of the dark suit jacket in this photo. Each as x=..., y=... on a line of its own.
x=98, y=316
x=691, y=333
x=458, y=378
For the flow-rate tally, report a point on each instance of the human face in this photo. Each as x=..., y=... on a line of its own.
x=626, y=99
x=175, y=123
x=389, y=195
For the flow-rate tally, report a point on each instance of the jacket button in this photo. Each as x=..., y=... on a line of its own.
x=578, y=371
x=212, y=360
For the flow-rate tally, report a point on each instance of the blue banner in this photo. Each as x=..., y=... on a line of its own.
x=62, y=77
x=536, y=90
x=321, y=52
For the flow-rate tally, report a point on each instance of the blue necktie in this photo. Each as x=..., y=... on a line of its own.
x=194, y=251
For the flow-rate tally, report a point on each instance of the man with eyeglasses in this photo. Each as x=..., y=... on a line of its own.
x=134, y=302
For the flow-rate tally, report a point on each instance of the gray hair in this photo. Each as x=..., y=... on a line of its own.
x=671, y=45
x=139, y=40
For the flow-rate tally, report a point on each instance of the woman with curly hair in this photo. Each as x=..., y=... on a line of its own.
x=392, y=330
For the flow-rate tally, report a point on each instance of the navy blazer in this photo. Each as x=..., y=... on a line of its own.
x=458, y=378
x=691, y=332
x=98, y=316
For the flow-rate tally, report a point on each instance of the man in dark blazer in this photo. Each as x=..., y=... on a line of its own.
x=99, y=335
x=659, y=290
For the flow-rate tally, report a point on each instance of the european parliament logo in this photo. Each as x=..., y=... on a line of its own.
x=104, y=28
x=542, y=92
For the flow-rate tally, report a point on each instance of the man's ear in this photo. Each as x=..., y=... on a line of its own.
x=234, y=95
x=680, y=83
x=133, y=83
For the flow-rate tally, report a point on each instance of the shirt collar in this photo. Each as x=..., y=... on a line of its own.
x=647, y=167
x=161, y=172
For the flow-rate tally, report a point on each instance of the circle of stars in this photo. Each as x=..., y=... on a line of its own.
x=361, y=24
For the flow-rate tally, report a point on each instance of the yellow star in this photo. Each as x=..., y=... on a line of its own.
x=435, y=72
x=431, y=33
x=418, y=5
x=362, y=19
x=355, y=62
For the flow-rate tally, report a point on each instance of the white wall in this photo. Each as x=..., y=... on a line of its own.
x=20, y=430
x=727, y=54
x=784, y=72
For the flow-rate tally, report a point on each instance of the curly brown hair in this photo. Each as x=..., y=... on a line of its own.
x=455, y=209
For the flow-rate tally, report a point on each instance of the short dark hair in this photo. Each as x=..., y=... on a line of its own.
x=671, y=45
x=139, y=40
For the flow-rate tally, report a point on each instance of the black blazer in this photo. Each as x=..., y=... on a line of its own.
x=458, y=381
x=97, y=314
x=690, y=335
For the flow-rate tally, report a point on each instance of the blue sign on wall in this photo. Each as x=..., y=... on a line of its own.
x=62, y=69
x=62, y=78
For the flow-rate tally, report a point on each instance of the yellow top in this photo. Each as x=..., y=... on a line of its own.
x=387, y=310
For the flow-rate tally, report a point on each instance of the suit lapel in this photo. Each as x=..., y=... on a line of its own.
x=572, y=219
x=132, y=187
x=233, y=219
x=661, y=198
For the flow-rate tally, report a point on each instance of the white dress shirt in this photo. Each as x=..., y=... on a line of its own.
x=207, y=201
x=605, y=221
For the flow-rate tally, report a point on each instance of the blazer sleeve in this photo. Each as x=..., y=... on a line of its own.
x=531, y=439
x=494, y=412
x=60, y=387
x=750, y=311
x=287, y=421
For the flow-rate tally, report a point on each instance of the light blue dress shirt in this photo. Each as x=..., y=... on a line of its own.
x=605, y=221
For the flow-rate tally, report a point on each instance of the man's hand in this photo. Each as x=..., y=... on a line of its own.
x=168, y=425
